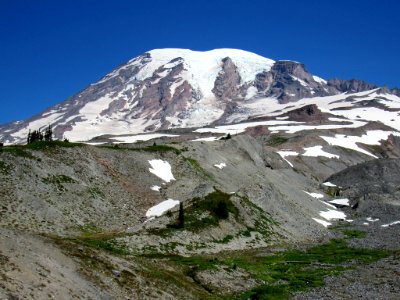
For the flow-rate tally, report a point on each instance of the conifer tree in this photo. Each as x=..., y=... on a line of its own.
x=48, y=135
x=181, y=216
x=29, y=137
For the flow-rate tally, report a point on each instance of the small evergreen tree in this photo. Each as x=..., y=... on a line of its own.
x=181, y=216
x=29, y=137
x=48, y=135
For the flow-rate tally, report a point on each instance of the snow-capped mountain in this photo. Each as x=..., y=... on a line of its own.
x=173, y=88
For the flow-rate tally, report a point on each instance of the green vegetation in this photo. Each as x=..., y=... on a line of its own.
x=96, y=192
x=42, y=145
x=161, y=148
x=108, y=245
x=225, y=240
x=208, y=211
x=152, y=148
x=18, y=151
x=58, y=180
x=199, y=169
x=276, y=140
x=333, y=191
x=288, y=271
x=354, y=233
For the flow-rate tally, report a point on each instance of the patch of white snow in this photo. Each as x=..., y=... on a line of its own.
x=160, y=208
x=220, y=166
x=161, y=169
x=317, y=151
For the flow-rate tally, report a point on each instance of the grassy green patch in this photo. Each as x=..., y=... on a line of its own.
x=287, y=271
x=225, y=240
x=96, y=192
x=333, y=191
x=203, y=213
x=109, y=245
x=297, y=270
x=41, y=145
x=161, y=148
x=276, y=140
x=88, y=229
x=354, y=233
x=199, y=169
x=18, y=151
x=58, y=181
x=152, y=148
x=208, y=211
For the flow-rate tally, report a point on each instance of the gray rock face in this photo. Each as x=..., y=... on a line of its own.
x=227, y=84
x=376, y=176
x=350, y=86
x=291, y=81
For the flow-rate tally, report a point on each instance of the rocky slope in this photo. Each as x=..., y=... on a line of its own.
x=87, y=207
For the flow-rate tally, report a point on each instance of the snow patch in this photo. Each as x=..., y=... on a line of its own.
x=286, y=153
x=140, y=137
x=370, y=219
x=372, y=137
x=322, y=222
x=161, y=169
x=314, y=195
x=207, y=139
x=251, y=92
x=328, y=204
x=331, y=214
x=390, y=224
x=155, y=188
x=160, y=208
x=317, y=151
x=319, y=80
x=241, y=127
x=330, y=184
x=344, y=202
x=220, y=166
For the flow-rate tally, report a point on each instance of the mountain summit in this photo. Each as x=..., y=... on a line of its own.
x=177, y=88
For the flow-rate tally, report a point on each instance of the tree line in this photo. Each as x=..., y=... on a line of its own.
x=38, y=135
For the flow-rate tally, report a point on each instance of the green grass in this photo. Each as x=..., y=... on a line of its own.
x=297, y=270
x=18, y=151
x=152, y=148
x=276, y=140
x=108, y=245
x=199, y=169
x=287, y=271
x=209, y=211
x=58, y=181
x=354, y=233
x=42, y=145
x=202, y=213
x=225, y=240
x=161, y=148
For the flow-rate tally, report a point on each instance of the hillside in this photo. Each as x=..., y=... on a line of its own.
x=86, y=217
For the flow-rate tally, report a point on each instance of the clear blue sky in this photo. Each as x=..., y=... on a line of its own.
x=49, y=50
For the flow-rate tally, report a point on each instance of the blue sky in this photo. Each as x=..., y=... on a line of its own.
x=50, y=50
